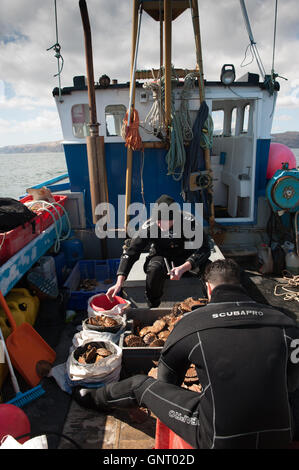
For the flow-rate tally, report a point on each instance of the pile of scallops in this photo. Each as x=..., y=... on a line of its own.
x=156, y=334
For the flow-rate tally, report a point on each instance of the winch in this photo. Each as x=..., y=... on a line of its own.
x=283, y=190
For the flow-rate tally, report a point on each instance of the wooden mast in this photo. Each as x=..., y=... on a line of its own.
x=196, y=26
x=132, y=92
x=94, y=142
x=167, y=54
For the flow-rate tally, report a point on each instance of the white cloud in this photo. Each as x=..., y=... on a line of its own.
x=284, y=117
x=27, y=29
x=46, y=123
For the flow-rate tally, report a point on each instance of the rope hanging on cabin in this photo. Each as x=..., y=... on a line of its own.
x=130, y=124
x=131, y=133
x=206, y=138
x=155, y=117
x=57, y=49
x=181, y=131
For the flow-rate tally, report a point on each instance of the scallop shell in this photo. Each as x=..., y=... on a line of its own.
x=144, y=331
x=133, y=341
x=196, y=388
x=157, y=343
x=149, y=338
x=103, y=352
x=164, y=335
x=153, y=372
x=158, y=326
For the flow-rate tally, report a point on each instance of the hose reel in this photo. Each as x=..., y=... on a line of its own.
x=283, y=190
x=201, y=180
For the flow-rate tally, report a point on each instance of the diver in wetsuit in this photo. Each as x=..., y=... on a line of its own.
x=168, y=243
x=245, y=360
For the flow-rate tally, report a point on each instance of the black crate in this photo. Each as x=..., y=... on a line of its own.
x=140, y=360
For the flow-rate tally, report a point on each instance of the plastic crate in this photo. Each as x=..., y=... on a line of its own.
x=140, y=360
x=13, y=241
x=45, y=218
x=101, y=270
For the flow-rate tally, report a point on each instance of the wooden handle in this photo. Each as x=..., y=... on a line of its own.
x=8, y=312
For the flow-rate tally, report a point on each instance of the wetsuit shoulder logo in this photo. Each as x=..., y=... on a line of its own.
x=239, y=313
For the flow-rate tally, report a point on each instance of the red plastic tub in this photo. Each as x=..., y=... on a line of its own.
x=14, y=240
x=167, y=439
x=101, y=302
x=46, y=218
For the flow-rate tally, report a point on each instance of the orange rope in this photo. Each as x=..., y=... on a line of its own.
x=132, y=137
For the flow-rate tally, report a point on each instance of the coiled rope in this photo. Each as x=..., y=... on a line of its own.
x=45, y=207
x=155, y=117
x=130, y=133
x=180, y=131
x=206, y=139
x=289, y=288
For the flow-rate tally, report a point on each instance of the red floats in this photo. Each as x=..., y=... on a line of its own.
x=13, y=422
x=279, y=154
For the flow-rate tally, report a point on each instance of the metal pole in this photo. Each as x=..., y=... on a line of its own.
x=252, y=41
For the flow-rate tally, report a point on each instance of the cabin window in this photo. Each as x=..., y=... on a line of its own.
x=246, y=119
x=233, y=122
x=218, y=118
x=80, y=119
x=114, y=116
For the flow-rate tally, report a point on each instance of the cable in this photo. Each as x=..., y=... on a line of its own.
x=141, y=176
x=274, y=36
x=57, y=49
x=252, y=57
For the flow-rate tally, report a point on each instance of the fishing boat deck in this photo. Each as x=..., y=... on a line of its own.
x=56, y=414
x=122, y=429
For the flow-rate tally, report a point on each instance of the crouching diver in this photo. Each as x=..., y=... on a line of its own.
x=165, y=235
x=245, y=360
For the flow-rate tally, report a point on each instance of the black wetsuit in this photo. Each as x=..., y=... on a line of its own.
x=172, y=247
x=247, y=364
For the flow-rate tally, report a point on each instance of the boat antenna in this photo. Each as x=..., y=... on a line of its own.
x=273, y=74
x=57, y=49
x=253, y=45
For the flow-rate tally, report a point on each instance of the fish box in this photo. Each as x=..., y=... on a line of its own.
x=139, y=360
x=14, y=240
x=100, y=271
x=46, y=219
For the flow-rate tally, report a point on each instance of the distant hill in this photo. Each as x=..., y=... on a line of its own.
x=33, y=148
x=291, y=139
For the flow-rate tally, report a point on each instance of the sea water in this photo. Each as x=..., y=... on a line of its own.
x=19, y=171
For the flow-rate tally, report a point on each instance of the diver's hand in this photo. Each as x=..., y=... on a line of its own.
x=113, y=290
x=177, y=272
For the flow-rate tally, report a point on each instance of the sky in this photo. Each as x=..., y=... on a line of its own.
x=27, y=29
